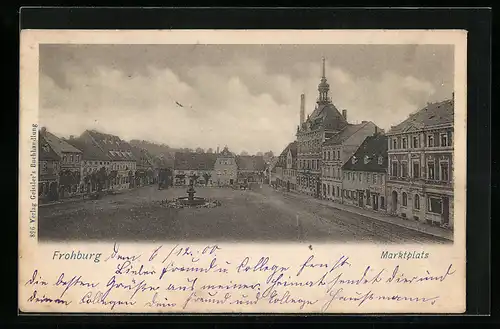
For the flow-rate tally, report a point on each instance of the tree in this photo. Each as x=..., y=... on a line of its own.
x=206, y=176
x=244, y=153
x=209, y=150
x=199, y=150
x=260, y=154
x=269, y=154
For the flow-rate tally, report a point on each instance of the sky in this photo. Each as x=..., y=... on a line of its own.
x=246, y=97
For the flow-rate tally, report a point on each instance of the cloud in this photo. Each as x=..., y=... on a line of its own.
x=240, y=104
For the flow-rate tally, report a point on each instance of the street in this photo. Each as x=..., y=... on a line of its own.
x=257, y=215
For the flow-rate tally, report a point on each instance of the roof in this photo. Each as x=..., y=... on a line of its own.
x=344, y=134
x=194, y=161
x=250, y=162
x=114, y=147
x=141, y=155
x=432, y=115
x=370, y=150
x=59, y=145
x=283, y=155
x=328, y=116
x=45, y=151
x=90, y=150
x=226, y=153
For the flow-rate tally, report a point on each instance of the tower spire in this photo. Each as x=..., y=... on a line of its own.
x=324, y=75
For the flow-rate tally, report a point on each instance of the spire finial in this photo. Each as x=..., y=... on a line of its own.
x=323, y=58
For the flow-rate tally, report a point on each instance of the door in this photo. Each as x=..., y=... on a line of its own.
x=288, y=186
x=394, y=204
x=360, y=199
x=446, y=210
x=375, y=201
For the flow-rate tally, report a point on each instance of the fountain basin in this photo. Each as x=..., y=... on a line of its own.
x=191, y=201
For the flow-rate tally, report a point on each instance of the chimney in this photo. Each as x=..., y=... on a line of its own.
x=302, y=108
x=43, y=130
x=217, y=150
x=344, y=114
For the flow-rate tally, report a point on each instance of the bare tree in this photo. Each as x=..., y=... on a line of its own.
x=244, y=153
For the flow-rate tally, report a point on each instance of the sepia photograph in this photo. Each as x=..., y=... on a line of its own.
x=331, y=143
x=198, y=171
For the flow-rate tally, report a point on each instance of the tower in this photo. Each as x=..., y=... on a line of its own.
x=302, y=108
x=323, y=88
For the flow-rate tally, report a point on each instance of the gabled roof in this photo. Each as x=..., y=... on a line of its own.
x=431, y=115
x=194, y=161
x=250, y=162
x=114, y=147
x=45, y=151
x=90, y=150
x=371, y=149
x=59, y=145
x=328, y=116
x=344, y=134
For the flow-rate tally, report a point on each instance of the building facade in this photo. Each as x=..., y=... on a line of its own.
x=144, y=173
x=48, y=171
x=194, y=166
x=364, y=175
x=290, y=168
x=323, y=123
x=122, y=164
x=420, y=165
x=336, y=151
x=70, y=164
x=225, y=168
x=250, y=168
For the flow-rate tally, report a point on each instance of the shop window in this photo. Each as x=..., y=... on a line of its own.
x=435, y=205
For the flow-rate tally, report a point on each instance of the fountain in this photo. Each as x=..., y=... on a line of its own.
x=190, y=200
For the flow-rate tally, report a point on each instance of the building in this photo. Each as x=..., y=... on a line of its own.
x=48, y=171
x=364, y=175
x=420, y=152
x=225, y=168
x=199, y=166
x=122, y=166
x=145, y=172
x=336, y=151
x=250, y=168
x=95, y=171
x=290, y=169
x=323, y=123
x=70, y=163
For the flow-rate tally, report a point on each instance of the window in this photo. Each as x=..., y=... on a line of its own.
x=330, y=155
x=394, y=169
x=338, y=191
x=399, y=142
x=359, y=177
x=338, y=155
x=430, y=141
x=77, y=158
x=416, y=170
x=375, y=178
x=405, y=199
x=380, y=160
x=382, y=202
x=65, y=159
x=394, y=144
x=324, y=155
x=367, y=177
x=444, y=139
x=444, y=171
x=430, y=170
x=405, y=143
x=435, y=205
x=404, y=169
x=415, y=141
x=416, y=202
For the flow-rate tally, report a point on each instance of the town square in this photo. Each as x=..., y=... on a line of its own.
x=304, y=170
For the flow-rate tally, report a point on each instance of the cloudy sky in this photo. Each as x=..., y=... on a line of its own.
x=244, y=96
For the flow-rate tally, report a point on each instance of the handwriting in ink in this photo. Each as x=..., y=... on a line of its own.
x=102, y=299
x=34, y=298
x=75, y=280
x=156, y=303
x=36, y=280
x=116, y=255
x=286, y=298
x=261, y=266
x=128, y=268
x=136, y=287
x=398, y=277
x=212, y=267
x=212, y=298
x=361, y=298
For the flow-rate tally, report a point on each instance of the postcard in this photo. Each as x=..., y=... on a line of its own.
x=224, y=171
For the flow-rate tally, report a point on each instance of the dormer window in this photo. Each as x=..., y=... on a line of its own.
x=354, y=160
x=380, y=160
x=367, y=159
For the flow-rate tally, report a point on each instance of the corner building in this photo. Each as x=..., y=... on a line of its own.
x=420, y=154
